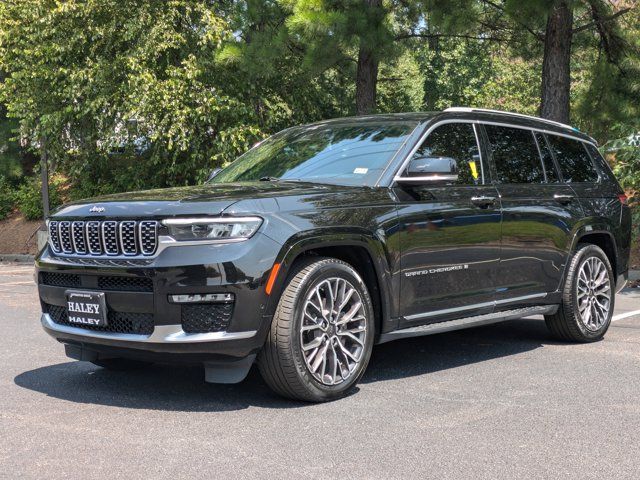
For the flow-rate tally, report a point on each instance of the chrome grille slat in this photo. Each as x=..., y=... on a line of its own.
x=65, y=237
x=110, y=237
x=148, y=237
x=92, y=238
x=128, y=241
x=54, y=237
x=77, y=236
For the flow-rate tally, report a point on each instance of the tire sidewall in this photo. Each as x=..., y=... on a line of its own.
x=323, y=271
x=583, y=255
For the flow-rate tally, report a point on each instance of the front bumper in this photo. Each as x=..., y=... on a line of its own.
x=240, y=269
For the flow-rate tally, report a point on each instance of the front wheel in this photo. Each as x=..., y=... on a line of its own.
x=588, y=298
x=322, y=333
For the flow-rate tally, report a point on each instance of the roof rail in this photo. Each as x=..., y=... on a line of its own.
x=520, y=115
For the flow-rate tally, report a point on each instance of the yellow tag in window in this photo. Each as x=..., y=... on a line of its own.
x=474, y=169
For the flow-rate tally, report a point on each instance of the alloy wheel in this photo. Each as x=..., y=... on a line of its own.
x=594, y=293
x=333, y=330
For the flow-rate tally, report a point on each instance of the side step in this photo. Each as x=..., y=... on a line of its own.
x=467, y=322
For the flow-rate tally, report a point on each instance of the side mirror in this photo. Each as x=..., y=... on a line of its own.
x=213, y=173
x=426, y=169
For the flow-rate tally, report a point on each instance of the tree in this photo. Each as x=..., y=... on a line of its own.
x=550, y=23
x=352, y=38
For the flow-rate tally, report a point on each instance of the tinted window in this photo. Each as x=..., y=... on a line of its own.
x=573, y=160
x=515, y=155
x=456, y=142
x=547, y=158
x=347, y=154
x=600, y=162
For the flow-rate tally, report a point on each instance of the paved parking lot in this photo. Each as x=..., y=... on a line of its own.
x=502, y=401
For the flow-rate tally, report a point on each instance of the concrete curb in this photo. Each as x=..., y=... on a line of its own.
x=11, y=258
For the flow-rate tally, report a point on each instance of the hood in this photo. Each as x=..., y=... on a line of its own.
x=208, y=199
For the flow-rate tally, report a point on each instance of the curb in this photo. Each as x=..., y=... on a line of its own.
x=16, y=258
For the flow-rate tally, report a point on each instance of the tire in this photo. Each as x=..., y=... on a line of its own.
x=119, y=364
x=290, y=353
x=573, y=321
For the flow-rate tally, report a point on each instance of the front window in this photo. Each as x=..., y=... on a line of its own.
x=337, y=153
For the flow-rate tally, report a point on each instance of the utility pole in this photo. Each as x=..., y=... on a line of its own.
x=44, y=175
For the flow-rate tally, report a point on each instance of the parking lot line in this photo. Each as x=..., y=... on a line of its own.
x=622, y=316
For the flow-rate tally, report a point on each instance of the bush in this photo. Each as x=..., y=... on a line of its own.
x=29, y=197
x=7, y=198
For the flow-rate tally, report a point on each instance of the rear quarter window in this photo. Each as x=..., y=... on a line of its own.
x=573, y=159
x=600, y=162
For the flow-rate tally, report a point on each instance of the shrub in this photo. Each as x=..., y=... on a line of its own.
x=29, y=197
x=7, y=198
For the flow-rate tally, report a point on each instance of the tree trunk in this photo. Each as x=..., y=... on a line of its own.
x=556, y=71
x=367, y=71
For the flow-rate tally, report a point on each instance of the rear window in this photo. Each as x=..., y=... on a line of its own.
x=574, y=161
x=515, y=155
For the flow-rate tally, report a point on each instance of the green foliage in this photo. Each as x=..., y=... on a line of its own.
x=28, y=197
x=626, y=156
x=7, y=198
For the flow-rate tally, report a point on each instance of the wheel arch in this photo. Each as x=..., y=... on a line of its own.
x=362, y=250
x=602, y=237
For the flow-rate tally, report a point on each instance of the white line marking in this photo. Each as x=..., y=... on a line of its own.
x=622, y=316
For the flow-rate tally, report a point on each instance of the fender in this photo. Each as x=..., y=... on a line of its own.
x=588, y=227
x=339, y=237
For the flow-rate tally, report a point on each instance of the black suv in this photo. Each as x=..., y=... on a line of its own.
x=327, y=238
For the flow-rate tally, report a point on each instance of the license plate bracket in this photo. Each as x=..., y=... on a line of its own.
x=86, y=309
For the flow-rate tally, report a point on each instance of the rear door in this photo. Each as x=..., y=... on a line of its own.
x=538, y=213
x=449, y=233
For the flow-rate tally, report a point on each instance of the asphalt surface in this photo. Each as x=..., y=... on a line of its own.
x=502, y=401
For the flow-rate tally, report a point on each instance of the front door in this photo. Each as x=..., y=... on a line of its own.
x=449, y=233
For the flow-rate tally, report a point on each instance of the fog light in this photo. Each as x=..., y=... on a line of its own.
x=202, y=298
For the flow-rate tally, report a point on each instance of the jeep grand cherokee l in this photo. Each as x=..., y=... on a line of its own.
x=325, y=239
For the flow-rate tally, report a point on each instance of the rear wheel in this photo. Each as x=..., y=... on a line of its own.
x=588, y=298
x=322, y=333
x=120, y=364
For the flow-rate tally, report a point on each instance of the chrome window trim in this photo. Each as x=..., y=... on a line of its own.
x=161, y=334
x=398, y=176
x=478, y=122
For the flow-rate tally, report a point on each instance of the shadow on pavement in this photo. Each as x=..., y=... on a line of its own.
x=178, y=388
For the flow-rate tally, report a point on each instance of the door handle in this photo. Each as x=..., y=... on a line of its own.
x=563, y=198
x=482, y=201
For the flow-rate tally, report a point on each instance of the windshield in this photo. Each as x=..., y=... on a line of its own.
x=344, y=154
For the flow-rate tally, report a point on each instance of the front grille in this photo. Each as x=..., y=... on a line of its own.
x=205, y=318
x=109, y=237
x=60, y=279
x=126, y=284
x=122, y=284
x=118, y=322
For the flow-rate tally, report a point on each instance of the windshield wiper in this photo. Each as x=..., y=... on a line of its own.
x=269, y=179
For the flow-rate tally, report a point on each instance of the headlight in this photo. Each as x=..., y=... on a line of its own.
x=223, y=229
